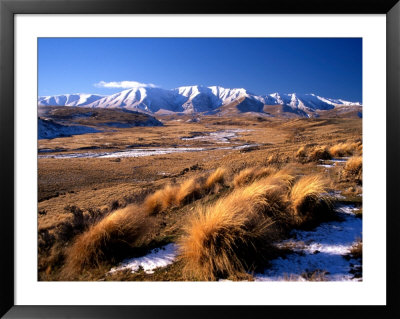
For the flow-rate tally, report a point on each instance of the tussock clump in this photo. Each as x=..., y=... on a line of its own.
x=235, y=234
x=218, y=234
x=252, y=174
x=276, y=159
x=216, y=178
x=301, y=152
x=320, y=153
x=161, y=200
x=284, y=177
x=307, y=154
x=111, y=238
x=353, y=169
x=309, y=200
x=345, y=149
x=188, y=191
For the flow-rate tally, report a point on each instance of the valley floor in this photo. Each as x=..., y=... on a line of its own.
x=83, y=180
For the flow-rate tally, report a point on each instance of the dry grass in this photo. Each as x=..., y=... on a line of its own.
x=220, y=236
x=323, y=152
x=353, y=169
x=309, y=200
x=179, y=195
x=345, y=149
x=160, y=200
x=112, y=237
x=319, y=153
x=233, y=235
x=307, y=153
x=188, y=191
x=217, y=177
x=301, y=152
x=252, y=174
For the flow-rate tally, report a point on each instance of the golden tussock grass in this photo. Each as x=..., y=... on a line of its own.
x=179, y=195
x=218, y=234
x=301, y=152
x=320, y=152
x=311, y=154
x=230, y=237
x=249, y=175
x=353, y=169
x=217, y=177
x=345, y=149
x=188, y=191
x=116, y=234
x=160, y=200
x=309, y=200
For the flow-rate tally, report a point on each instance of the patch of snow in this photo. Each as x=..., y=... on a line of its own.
x=326, y=165
x=139, y=152
x=219, y=137
x=336, y=194
x=159, y=257
x=346, y=209
x=244, y=146
x=321, y=249
x=339, y=160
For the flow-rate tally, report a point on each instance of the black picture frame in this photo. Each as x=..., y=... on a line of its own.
x=8, y=8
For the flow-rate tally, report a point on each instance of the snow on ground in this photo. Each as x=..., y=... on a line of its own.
x=139, y=152
x=321, y=249
x=149, y=152
x=339, y=160
x=326, y=165
x=219, y=137
x=159, y=257
x=336, y=194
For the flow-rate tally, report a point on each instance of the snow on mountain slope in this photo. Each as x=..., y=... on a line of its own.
x=193, y=99
x=141, y=99
x=305, y=102
x=77, y=99
x=206, y=99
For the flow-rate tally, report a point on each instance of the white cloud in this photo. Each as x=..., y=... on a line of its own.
x=124, y=85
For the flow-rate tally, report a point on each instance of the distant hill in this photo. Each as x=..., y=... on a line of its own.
x=61, y=121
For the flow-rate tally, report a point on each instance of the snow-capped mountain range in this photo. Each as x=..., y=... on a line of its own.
x=193, y=99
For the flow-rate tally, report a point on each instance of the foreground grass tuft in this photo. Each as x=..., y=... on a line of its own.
x=228, y=238
x=353, y=169
x=111, y=238
x=219, y=237
x=309, y=201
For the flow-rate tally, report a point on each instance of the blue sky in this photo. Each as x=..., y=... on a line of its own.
x=329, y=67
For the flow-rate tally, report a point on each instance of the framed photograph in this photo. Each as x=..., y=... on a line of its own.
x=169, y=160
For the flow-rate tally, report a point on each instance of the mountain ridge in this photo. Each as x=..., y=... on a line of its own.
x=197, y=99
